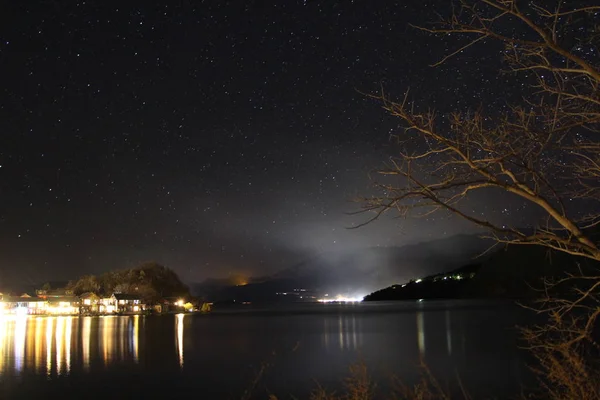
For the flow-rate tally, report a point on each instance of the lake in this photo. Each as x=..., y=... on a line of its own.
x=217, y=356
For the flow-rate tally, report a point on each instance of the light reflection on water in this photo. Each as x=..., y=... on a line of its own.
x=19, y=341
x=421, y=332
x=60, y=338
x=197, y=353
x=85, y=341
x=179, y=338
x=52, y=345
x=55, y=345
x=135, y=338
x=49, y=331
x=345, y=333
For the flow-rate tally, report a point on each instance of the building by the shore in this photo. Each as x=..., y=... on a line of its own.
x=64, y=302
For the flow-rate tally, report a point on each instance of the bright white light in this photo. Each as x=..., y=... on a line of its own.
x=418, y=280
x=21, y=311
x=341, y=299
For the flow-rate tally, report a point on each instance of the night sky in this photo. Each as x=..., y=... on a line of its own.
x=215, y=137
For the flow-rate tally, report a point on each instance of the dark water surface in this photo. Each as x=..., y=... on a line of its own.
x=217, y=356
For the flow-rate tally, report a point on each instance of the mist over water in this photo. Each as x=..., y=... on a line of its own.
x=359, y=271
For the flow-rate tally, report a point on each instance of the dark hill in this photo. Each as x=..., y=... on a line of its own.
x=511, y=272
x=449, y=285
x=518, y=271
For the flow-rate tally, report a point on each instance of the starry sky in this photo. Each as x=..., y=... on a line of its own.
x=216, y=137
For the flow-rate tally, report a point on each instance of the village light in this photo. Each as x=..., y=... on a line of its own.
x=180, y=303
x=341, y=299
x=21, y=311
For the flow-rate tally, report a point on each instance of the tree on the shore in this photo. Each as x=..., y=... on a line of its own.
x=151, y=281
x=544, y=151
x=87, y=283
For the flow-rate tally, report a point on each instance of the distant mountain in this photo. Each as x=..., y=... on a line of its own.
x=354, y=273
x=515, y=271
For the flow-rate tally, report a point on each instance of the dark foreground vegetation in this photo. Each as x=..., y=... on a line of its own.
x=358, y=384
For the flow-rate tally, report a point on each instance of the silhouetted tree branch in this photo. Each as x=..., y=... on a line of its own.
x=544, y=150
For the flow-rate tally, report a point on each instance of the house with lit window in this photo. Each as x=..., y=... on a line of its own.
x=89, y=303
x=63, y=305
x=23, y=305
x=106, y=305
x=59, y=301
x=128, y=303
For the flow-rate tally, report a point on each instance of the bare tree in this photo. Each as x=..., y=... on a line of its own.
x=545, y=150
